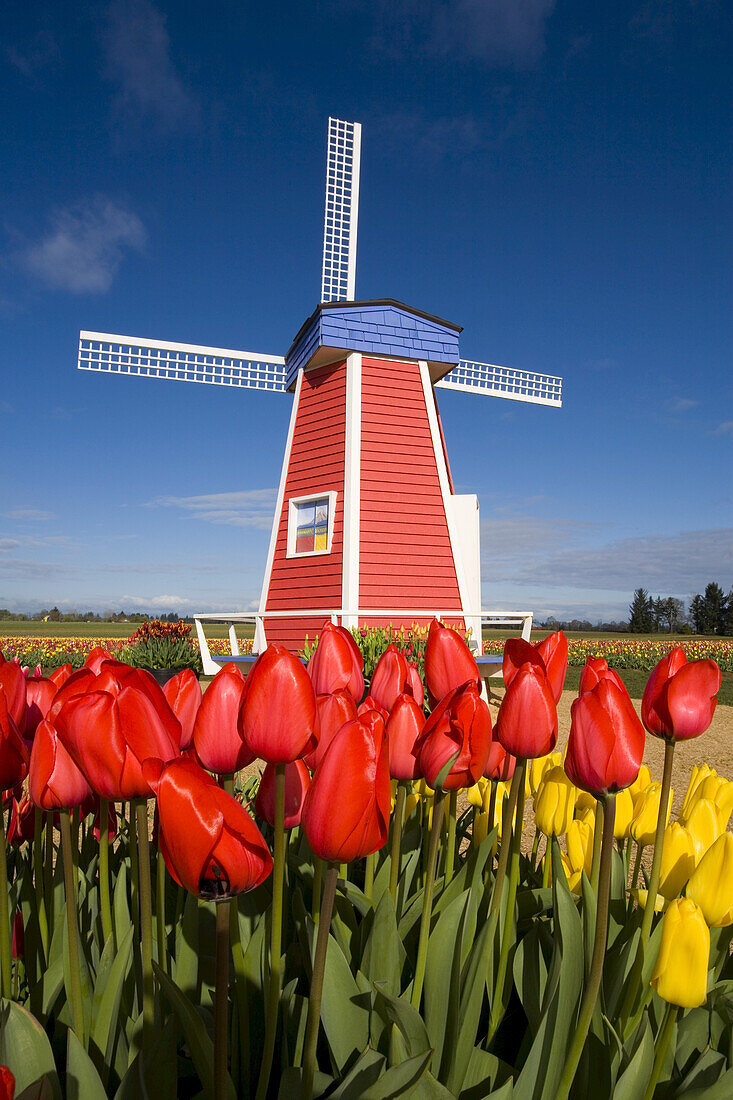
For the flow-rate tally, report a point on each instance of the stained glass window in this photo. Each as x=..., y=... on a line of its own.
x=311, y=530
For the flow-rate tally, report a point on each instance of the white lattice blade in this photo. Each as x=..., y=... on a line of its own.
x=113, y=354
x=343, y=162
x=494, y=381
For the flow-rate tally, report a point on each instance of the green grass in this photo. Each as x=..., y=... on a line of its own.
x=35, y=629
x=635, y=680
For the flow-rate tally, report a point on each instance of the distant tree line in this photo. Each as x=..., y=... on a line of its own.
x=53, y=615
x=709, y=613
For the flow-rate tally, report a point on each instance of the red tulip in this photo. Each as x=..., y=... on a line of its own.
x=61, y=675
x=7, y=1084
x=13, y=749
x=499, y=764
x=527, y=720
x=13, y=685
x=297, y=781
x=606, y=742
x=405, y=724
x=417, y=688
x=278, y=716
x=22, y=820
x=209, y=842
x=371, y=704
x=114, y=675
x=216, y=736
x=459, y=726
x=596, y=669
x=679, y=698
x=448, y=661
x=183, y=693
x=332, y=712
x=108, y=736
x=337, y=663
x=54, y=781
x=39, y=696
x=554, y=652
x=77, y=684
x=111, y=820
x=391, y=677
x=97, y=657
x=346, y=809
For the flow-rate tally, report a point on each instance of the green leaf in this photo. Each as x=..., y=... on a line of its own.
x=704, y=1076
x=633, y=1081
x=530, y=975
x=428, y=1088
x=472, y=995
x=443, y=974
x=121, y=908
x=384, y=955
x=108, y=994
x=484, y=1071
x=365, y=1072
x=399, y=1079
x=344, y=1016
x=401, y=1013
x=25, y=1049
x=199, y=1043
x=82, y=1079
x=84, y=977
x=186, y=971
x=153, y=1076
x=291, y=1079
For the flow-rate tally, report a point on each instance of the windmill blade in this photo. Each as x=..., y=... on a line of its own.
x=493, y=381
x=111, y=354
x=343, y=161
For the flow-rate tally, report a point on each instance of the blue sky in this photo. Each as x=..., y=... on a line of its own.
x=552, y=175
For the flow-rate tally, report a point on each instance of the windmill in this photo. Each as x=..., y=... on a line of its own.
x=367, y=528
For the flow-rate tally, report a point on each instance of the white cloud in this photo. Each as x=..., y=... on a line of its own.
x=28, y=513
x=84, y=247
x=137, y=56
x=726, y=428
x=249, y=508
x=680, y=404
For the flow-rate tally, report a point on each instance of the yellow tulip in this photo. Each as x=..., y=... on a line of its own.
x=537, y=768
x=698, y=775
x=584, y=802
x=411, y=803
x=724, y=803
x=646, y=812
x=642, y=896
x=580, y=846
x=575, y=878
x=475, y=796
x=624, y=814
x=703, y=826
x=711, y=885
x=681, y=972
x=640, y=784
x=678, y=860
x=554, y=803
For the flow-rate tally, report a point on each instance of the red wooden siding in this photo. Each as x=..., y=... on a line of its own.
x=316, y=466
x=405, y=552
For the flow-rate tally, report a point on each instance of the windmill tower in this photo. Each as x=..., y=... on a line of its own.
x=367, y=529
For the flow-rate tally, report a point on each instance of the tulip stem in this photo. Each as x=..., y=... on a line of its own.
x=319, y=966
x=396, y=852
x=646, y=923
x=38, y=881
x=6, y=962
x=105, y=907
x=593, y=984
x=72, y=928
x=317, y=887
x=547, y=866
x=427, y=905
x=515, y=850
x=492, y=813
x=160, y=932
x=506, y=836
x=595, y=866
x=450, y=852
x=221, y=999
x=276, y=914
x=369, y=875
x=637, y=867
x=240, y=987
x=661, y=1047
x=48, y=864
x=146, y=919
x=134, y=870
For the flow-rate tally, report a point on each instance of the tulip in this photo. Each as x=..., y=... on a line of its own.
x=702, y=825
x=217, y=739
x=97, y=657
x=448, y=662
x=698, y=775
x=517, y=653
x=183, y=694
x=210, y=844
x=7, y=1084
x=680, y=697
x=39, y=696
x=555, y=802
x=678, y=860
x=415, y=684
x=13, y=687
x=646, y=812
x=580, y=846
x=527, y=722
x=640, y=784
x=297, y=781
x=61, y=675
x=596, y=669
x=77, y=684
x=404, y=726
x=346, y=809
x=554, y=652
x=22, y=820
x=537, y=767
x=499, y=763
x=337, y=663
x=711, y=883
x=54, y=781
x=717, y=790
x=333, y=711
x=368, y=704
x=391, y=677
x=606, y=742
x=459, y=729
x=624, y=815
x=585, y=803
x=13, y=749
x=681, y=972
x=278, y=715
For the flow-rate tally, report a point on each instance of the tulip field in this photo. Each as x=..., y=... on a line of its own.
x=345, y=878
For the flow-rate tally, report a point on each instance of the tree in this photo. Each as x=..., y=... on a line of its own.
x=641, y=613
x=710, y=612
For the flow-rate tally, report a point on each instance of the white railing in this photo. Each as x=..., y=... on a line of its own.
x=211, y=665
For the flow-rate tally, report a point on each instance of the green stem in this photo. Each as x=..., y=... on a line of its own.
x=6, y=961
x=221, y=999
x=516, y=846
x=240, y=987
x=48, y=863
x=593, y=983
x=317, y=887
x=146, y=919
x=660, y=1049
x=450, y=852
x=646, y=921
x=369, y=875
x=506, y=839
x=396, y=852
x=134, y=871
x=273, y=993
x=160, y=932
x=316, y=991
x=104, y=899
x=77, y=1002
x=492, y=813
x=637, y=866
x=547, y=865
x=427, y=906
x=597, y=837
x=535, y=849
x=38, y=881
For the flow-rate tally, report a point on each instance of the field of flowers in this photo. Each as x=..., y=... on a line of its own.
x=641, y=653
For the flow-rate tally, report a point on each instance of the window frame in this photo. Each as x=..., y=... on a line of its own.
x=311, y=498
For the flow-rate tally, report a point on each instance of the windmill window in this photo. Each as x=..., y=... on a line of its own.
x=310, y=524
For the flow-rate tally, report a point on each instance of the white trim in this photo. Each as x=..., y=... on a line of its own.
x=329, y=494
x=354, y=213
x=170, y=345
x=279, y=505
x=352, y=486
x=472, y=621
